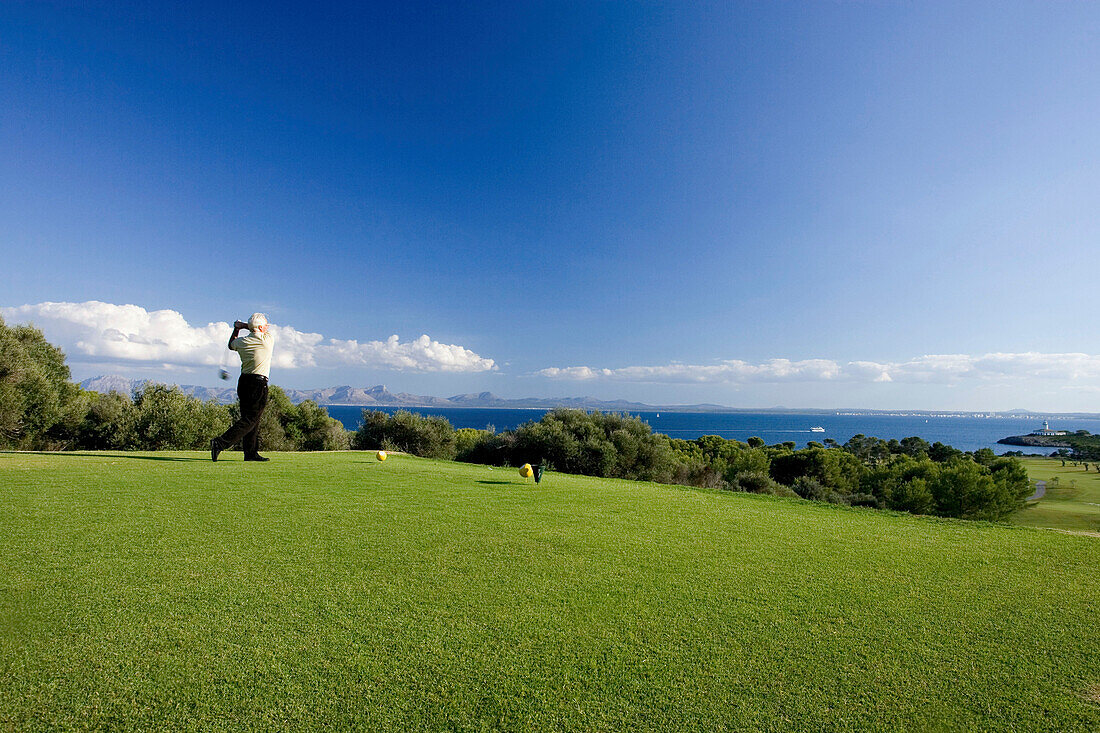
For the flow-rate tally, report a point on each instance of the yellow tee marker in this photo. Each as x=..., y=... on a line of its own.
x=526, y=471
x=381, y=455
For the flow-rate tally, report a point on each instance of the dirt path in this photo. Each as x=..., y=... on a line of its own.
x=1040, y=491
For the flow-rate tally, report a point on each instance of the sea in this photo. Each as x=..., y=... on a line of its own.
x=965, y=432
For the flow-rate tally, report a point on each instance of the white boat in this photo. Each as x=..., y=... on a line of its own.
x=817, y=429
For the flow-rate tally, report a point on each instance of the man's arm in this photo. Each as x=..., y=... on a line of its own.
x=238, y=326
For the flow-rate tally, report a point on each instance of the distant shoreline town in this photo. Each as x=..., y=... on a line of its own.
x=380, y=396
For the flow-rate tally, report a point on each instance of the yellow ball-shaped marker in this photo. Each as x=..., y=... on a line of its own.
x=526, y=471
x=381, y=455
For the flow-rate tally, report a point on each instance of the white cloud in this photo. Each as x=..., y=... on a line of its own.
x=931, y=369
x=100, y=332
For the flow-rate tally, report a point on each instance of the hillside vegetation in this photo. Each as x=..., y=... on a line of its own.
x=159, y=590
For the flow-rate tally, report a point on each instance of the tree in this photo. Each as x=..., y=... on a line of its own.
x=912, y=496
x=941, y=453
x=834, y=469
x=969, y=490
x=1013, y=485
x=37, y=399
x=914, y=446
x=750, y=459
x=867, y=449
x=985, y=456
x=726, y=458
x=902, y=484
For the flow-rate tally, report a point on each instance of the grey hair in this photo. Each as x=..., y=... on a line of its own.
x=256, y=320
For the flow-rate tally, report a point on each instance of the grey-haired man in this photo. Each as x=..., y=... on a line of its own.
x=255, y=352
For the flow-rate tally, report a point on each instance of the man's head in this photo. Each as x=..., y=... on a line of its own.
x=257, y=323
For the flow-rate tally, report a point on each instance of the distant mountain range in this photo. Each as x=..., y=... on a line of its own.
x=379, y=396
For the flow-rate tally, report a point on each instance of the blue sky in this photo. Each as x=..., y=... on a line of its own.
x=823, y=204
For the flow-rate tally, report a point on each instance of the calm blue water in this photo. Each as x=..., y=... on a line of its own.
x=964, y=433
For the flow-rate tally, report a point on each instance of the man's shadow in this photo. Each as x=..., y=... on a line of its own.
x=100, y=455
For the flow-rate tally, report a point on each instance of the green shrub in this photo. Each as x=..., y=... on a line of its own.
x=408, y=432
x=108, y=422
x=167, y=418
x=315, y=430
x=596, y=444
x=467, y=441
x=809, y=487
x=696, y=472
x=862, y=499
x=758, y=482
x=486, y=447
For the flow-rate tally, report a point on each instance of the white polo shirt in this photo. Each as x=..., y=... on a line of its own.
x=255, y=352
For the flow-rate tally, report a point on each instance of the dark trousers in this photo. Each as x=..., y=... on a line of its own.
x=252, y=392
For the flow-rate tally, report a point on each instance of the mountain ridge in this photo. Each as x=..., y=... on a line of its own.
x=380, y=396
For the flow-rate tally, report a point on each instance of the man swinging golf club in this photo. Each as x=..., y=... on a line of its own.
x=255, y=352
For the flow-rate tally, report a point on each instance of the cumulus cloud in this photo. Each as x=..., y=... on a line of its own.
x=104, y=332
x=932, y=369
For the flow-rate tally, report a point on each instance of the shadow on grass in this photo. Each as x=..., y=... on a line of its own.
x=101, y=455
x=498, y=483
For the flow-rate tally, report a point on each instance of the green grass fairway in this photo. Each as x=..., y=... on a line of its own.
x=1072, y=502
x=330, y=591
